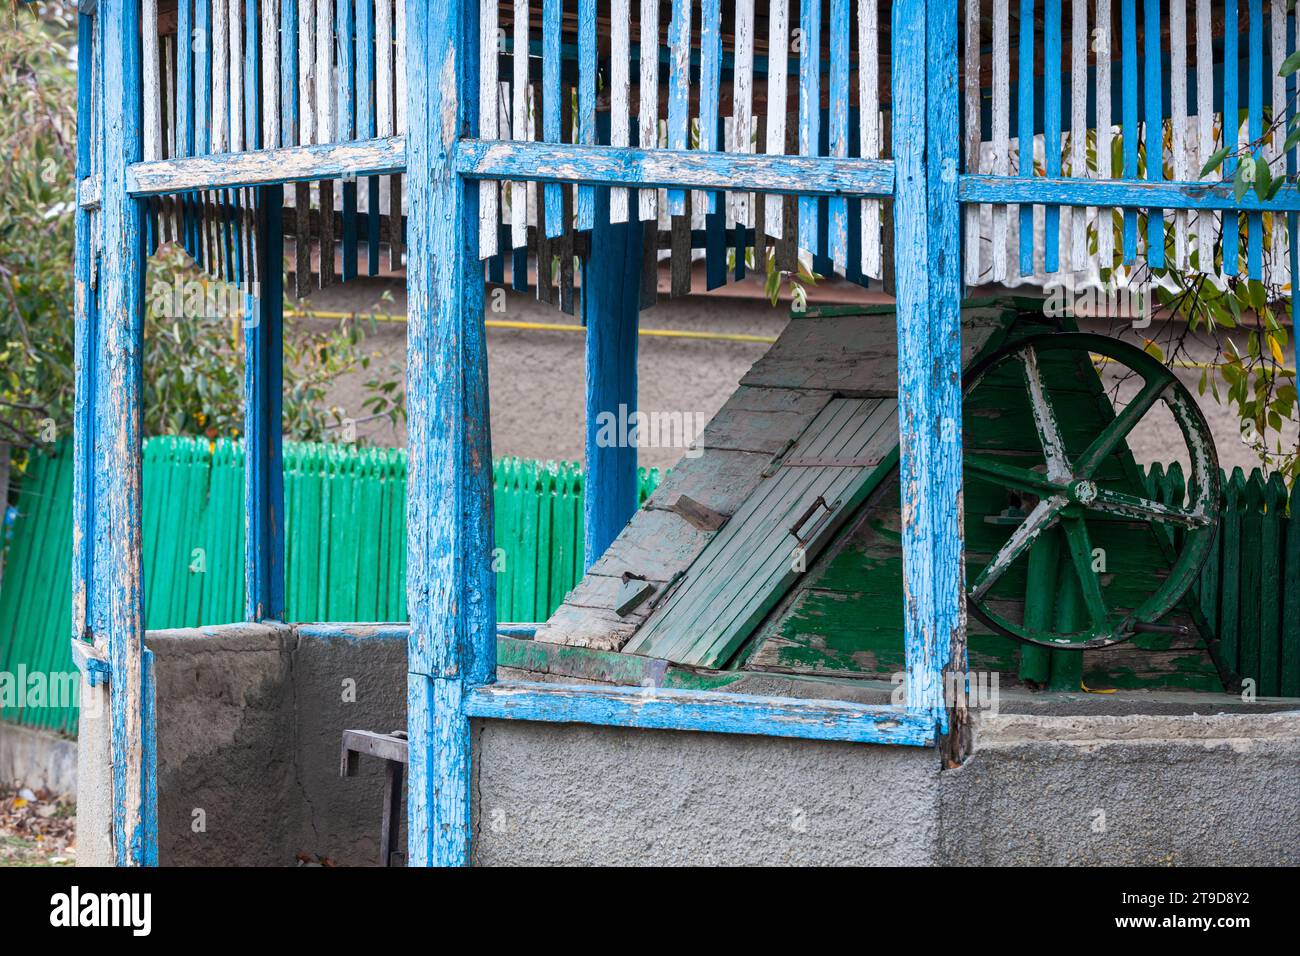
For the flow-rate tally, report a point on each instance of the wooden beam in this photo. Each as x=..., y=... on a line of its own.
x=611, y=305
x=700, y=711
x=943, y=388
x=269, y=166
x=675, y=168
x=263, y=427
x=451, y=591
x=1118, y=193
x=118, y=429
x=915, y=358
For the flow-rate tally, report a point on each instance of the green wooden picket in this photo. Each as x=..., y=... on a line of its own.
x=345, y=532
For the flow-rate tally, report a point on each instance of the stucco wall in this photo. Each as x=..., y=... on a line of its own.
x=250, y=725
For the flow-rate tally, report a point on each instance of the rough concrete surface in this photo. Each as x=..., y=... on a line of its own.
x=225, y=719
x=1182, y=791
x=250, y=721
x=38, y=759
x=568, y=794
x=94, y=779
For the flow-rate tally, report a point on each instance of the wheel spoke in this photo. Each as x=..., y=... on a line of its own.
x=1118, y=430
x=1076, y=533
x=1042, y=517
x=1022, y=479
x=1049, y=432
x=1119, y=503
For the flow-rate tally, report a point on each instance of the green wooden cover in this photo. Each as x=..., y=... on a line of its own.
x=775, y=535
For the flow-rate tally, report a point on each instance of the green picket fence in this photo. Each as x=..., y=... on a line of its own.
x=1249, y=588
x=345, y=532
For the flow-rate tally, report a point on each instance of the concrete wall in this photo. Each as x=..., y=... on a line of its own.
x=250, y=724
x=39, y=759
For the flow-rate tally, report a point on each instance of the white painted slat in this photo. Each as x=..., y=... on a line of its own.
x=325, y=96
x=150, y=79
x=270, y=43
x=971, y=56
x=1078, y=218
x=220, y=76
x=307, y=72
x=168, y=44
x=869, y=131
x=648, y=105
x=778, y=74
x=519, y=125
x=236, y=9
x=1101, y=50
x=384, y=67
x=743, y=101
x=488, y=194
x=401, y=67
x=1280, y=260
x=1178, y=117
x=620, y=89
x=1001, y=131
x=1206, y=223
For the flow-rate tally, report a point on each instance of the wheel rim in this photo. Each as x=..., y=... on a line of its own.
x=1069, y=495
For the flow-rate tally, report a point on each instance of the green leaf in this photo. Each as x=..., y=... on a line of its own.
x=1216, y=160
x=1290, y=64
x=1263, y=177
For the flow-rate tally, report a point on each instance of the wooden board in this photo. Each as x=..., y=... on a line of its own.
x=774, y=536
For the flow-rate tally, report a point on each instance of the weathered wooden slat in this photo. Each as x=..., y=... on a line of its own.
x=710, y=90
x=972, y=138
x=1255, y=129
x=324, y=72
x=778, y=45
x=1025, y=129
x=151, y=80
x=679, y=91
x=869, y=131
x=1078, y=221
x=620, y=87
x=551, y=110
x=1178, y=119
x=648, y=99
x=1105, y=170
x=810, y=98
x=307, y=121
x=1052, y=69
x=270, y=85
x=1231, y=133
x=489, y=124
x=839, y=27
x=220, y=54
x=1206, y=220
x=698, y=711
x=236, y=10
x=675, y=170
x=1278, y=30
x=288, y=135
x=743, y=94
x=1154, y=116
x=1136, y=194
x=1001, y=90
x=585, y=196
x=268, y=167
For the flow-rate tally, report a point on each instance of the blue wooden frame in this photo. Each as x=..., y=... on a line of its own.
x=451, y=588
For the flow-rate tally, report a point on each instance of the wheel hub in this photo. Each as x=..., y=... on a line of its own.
x=1083, y=491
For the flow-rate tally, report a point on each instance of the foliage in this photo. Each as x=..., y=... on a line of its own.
x=193, y=354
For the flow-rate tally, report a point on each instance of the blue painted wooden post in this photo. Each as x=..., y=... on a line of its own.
x=263, y=431
x=84, y=350
x=943, y=142
x=611, y=282
x=926, y=222
x=451, y=594
x=119, y=447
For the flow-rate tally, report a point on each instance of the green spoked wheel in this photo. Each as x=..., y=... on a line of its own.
x=1062, y=468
